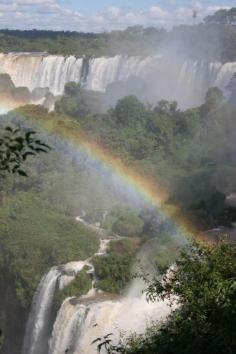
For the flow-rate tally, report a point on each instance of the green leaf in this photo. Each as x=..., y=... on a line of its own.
x=9, y=129
x=22, y=173
x=26, y=154
x=28, y=134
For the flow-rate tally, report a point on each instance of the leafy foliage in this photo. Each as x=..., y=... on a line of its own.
x=78, y=103
x=114, y=270
x=35, y=237
x=163, y=141
x=106, y=343
x=203, y=283
x=15, y=147
x=79, y=286
x=223, y=17
x=128, y=223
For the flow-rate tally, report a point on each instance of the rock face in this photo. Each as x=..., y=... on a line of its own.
x=163, y=78
x=6, y=83
x=13, y=315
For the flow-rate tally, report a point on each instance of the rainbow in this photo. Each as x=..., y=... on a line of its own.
x=146, y=187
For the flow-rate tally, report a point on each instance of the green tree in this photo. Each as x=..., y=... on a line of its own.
x=79, y=286
x=214, y=100
x=203, y=283
x=128, y=223
x=71, y=88
x=166, y=107
x=114, y=270
x=129, y=111
x=73, y=102
x=222, y=17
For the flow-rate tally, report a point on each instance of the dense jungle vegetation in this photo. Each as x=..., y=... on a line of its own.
x=114, y=271
x=214, y=39
x=191, y=152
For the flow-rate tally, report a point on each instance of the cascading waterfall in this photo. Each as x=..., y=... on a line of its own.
x=67, y=327
x=80, y=321
x=39, y=325
x=22, y=68
x=185, y=81
x=78, y=324
x=37, y=329
x=54, y=72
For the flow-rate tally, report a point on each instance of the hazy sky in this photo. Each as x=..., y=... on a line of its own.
x=99, y=15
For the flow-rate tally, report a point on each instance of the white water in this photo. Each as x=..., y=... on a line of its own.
x=35, y=340
x=67, y=327
x=77, y=325
x=163, y=77
x=39, y=323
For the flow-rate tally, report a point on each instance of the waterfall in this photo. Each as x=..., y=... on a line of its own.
x=40, y=70
x=80, y=321
x=39, y=325
x=102, y=72
x=67, y=327
x=55, y=71
x=37, y=328
x=225, y=74
x=161, y=77
x=22, y=68
x=78, y=324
